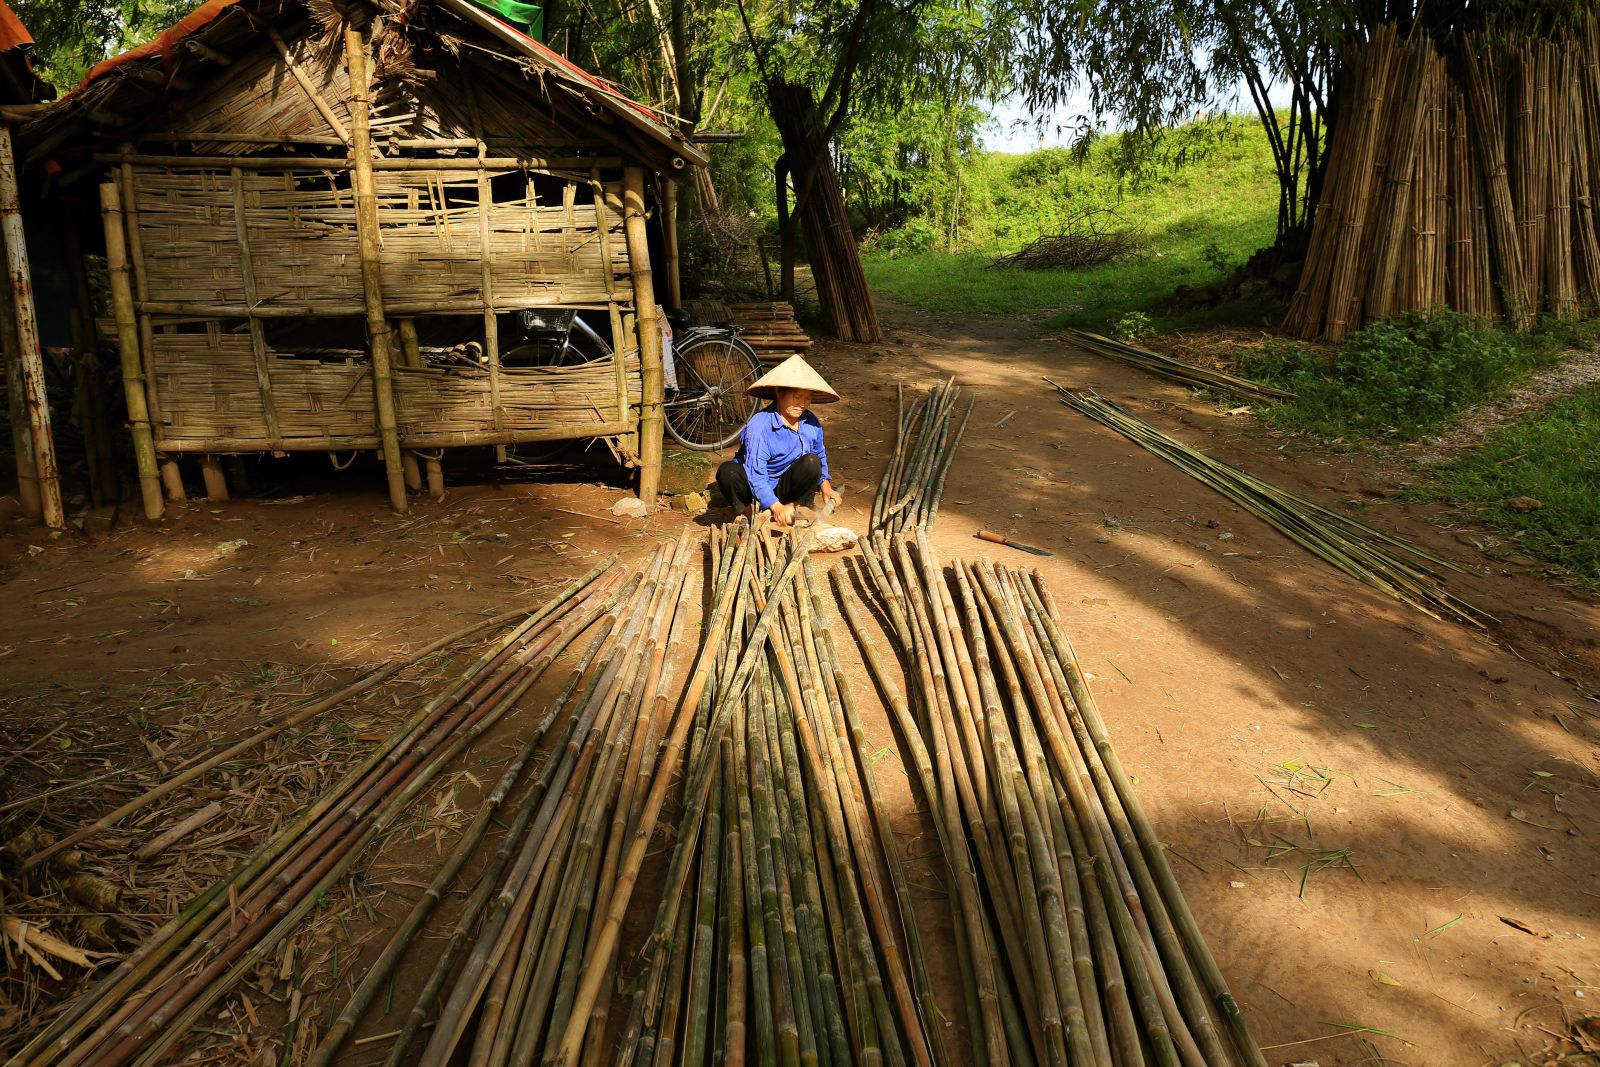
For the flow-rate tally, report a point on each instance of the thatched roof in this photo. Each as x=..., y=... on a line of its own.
x=226, y=63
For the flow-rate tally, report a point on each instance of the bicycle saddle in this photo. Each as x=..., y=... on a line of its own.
x=679, y=318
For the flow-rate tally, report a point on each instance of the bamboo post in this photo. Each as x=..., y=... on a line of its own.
x=410, y=356
x=669, y=241
x=258, y=335
x=172, y=480
x=144, y=449
x=30, y=357
x=366, y=199
x=644, y=302
x=21, y=438
x=216, y=483
x=435, y=467
x=171, y=472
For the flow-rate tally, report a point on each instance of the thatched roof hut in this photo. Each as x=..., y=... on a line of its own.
x=323, y=221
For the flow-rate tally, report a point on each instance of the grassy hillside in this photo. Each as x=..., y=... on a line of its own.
x=1200, y=221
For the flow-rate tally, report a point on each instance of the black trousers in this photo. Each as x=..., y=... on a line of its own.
x=797, y=484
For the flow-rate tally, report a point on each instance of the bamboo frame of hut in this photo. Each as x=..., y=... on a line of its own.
x=230, y=246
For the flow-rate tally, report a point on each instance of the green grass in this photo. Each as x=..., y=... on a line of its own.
x=1550, y=457
x=1406, y=376
x=1200, y=222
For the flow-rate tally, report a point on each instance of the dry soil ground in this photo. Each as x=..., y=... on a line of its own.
x=1455, y=771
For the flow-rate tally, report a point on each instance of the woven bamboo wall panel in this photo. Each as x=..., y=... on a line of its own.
x=301, y=229
x=541, y=254
x=432, y=401
x=208, y=389
x=258, y=95
x=300, y=226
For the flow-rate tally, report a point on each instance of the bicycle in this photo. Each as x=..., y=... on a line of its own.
x=714, y=366
x=707, y=375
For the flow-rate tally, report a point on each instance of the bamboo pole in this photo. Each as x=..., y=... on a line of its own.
x=30, y=357
x=355, y=48
x=21, y=436
x=651, y=419
x=216, y=481
x=669, y=241
x=258, y=335
x=133, y=379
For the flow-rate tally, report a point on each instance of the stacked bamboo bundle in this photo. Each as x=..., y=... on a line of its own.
x=1173, y=369
x=513, y=954
x=830, y=243
x=1472, y=191
x=771, y=329
x=164, y=988
x=785, y=930
x=1075, y=942
x=909, y=492
x=1365, y=553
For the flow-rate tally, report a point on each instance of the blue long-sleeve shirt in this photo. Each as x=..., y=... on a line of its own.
x=767, y=446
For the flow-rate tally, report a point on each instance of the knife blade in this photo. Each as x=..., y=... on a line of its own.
x=1000, y=539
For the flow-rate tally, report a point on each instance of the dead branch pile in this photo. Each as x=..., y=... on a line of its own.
x=1089, y=238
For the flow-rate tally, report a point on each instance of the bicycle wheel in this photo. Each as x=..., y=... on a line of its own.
x=710, y=407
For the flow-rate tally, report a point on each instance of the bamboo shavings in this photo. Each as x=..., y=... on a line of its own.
x=1361, y=551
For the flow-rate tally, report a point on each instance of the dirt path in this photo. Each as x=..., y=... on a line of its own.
x=1455, y=776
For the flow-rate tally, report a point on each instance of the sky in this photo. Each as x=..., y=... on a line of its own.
x=1013, y=129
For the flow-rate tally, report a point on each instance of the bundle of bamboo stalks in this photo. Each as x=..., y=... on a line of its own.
x=513, y=954
x=1075, y=943
x=1173, y=369
x=159, y=992
x=1464, y=181
x=785, y=929
x=909, y=492
x=1361, y=551
x=771, y=329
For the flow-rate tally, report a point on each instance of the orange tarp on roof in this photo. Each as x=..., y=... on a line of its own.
x=13, y=34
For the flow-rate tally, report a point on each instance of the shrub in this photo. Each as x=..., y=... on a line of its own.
x=1405, y=375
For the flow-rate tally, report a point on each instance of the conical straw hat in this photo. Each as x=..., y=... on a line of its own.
x=793, y=373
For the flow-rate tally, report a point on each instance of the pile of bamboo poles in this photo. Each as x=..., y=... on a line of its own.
x=1464, y=181
x=908, y=494
x=785, y=929
x=507, y=971
x=771, y=329
x=1075, y=943
x=1174, y=370
x=1367, y=554
x=145, y=1005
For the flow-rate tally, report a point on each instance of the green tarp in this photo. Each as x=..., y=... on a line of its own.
x=529, y=18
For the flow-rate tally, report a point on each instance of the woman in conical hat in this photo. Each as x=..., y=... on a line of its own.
x=781, y=463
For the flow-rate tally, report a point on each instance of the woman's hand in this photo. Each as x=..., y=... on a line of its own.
x=830, y=495
x=782, y=514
